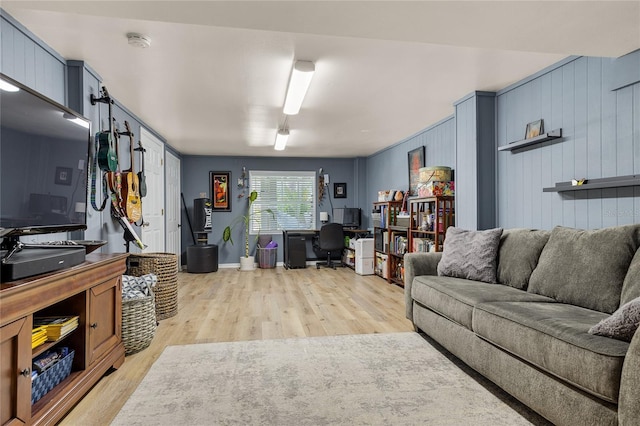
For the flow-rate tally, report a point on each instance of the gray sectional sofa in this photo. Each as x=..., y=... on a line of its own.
x=528, y=330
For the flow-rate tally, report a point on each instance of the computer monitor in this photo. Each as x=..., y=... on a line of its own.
x=349, y=217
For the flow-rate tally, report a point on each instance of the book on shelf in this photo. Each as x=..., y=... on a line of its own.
x=422, y=245
x=398, y=244
x=57, y=327
x=38, y=336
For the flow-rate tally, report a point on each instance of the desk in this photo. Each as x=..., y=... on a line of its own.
x=298, y=246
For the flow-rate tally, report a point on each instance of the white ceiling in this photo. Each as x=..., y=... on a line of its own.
x=214, y=79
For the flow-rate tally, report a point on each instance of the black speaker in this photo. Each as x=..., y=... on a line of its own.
x=201, y=215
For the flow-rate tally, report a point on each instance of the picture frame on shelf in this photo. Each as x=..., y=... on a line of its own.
x=415, y=162
x=220, y=191
x=339, y=190
x=535, y=128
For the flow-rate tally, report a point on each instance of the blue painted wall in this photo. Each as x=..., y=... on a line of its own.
x=601, y=138
x=195, y=180
x=388, y=169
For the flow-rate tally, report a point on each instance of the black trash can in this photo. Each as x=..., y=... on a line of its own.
x=202, y=258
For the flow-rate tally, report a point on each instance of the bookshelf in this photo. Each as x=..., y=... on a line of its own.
x=429, y=219
x=391, y=240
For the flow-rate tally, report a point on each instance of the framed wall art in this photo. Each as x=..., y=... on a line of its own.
x=63, y=175
x=220, y=191
x=535, y=128
x=416, y=161
x=339, y=190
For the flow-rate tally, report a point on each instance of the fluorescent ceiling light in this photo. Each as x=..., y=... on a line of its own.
x=281, y=140
x=298, y=86
x=8, y=87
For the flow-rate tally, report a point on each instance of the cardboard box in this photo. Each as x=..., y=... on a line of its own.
x=436, y=189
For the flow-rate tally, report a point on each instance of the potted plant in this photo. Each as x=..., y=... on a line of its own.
x=247, y=263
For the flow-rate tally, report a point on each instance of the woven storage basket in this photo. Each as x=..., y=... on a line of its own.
x=165, y=266
x=138, y=323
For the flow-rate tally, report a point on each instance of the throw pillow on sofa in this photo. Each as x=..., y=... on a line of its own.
x=518, y=255
x=631, y=284
x=622, y=324
x=470, y=254
x=586, y=268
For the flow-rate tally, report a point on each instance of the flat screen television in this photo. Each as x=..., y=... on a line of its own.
x=349, y=217
x=44, y=154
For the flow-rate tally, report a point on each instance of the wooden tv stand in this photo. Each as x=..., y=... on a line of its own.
x=93, y=292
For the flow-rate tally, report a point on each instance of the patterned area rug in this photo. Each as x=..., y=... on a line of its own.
x=374, y=379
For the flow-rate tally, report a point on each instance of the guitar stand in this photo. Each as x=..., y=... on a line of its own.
x=128, y=239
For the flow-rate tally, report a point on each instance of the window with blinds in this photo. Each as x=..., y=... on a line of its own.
x=291, y=196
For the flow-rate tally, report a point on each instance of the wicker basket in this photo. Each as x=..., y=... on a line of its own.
x=165, y=266
x=138, y=323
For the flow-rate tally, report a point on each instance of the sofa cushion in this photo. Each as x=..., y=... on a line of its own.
x=454, y=298
x=631, y=284
x=518, y=255
x=553, y=336
x=622, y=324
x=470, y=254
x=585, y=268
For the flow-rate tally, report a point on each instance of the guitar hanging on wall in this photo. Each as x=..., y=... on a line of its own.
x=114, y=182
x=141, y=178
x=105, y=158
x=107, y=154
x=131, y=203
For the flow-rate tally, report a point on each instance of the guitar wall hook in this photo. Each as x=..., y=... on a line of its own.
x=105, y=98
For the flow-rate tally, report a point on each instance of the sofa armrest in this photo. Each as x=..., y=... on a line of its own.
x=417, y=264
x=628, y=401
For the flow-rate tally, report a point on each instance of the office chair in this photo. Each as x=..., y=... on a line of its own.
x=330, y=238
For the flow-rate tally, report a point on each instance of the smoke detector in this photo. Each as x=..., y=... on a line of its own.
x=138, y=40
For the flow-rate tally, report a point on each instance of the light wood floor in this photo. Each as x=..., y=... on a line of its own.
x=228, y=305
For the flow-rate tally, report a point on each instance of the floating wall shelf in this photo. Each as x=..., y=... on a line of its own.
x=611, y=182
x=554, y=134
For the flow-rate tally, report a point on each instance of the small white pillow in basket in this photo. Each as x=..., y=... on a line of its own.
x=138, y=287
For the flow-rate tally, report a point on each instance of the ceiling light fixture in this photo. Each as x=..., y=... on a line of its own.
x=298, y=85
x=138, y=40
x=281, y=139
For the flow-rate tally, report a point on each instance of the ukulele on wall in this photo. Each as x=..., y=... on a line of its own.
x=131, y=203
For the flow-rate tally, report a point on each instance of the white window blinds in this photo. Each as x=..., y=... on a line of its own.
x=291, y=196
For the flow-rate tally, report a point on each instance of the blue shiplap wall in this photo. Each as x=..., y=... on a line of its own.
x=475, y=161
x=388, y=169
x=26, y=59
x=601, y=138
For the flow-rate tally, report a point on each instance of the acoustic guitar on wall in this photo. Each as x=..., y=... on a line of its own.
x=107, y=156
x=131, y=202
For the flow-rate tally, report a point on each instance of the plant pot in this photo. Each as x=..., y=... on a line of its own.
x=247, y=263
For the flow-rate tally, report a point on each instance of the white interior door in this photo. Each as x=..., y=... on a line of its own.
x=172, y=179
x=153, y=227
